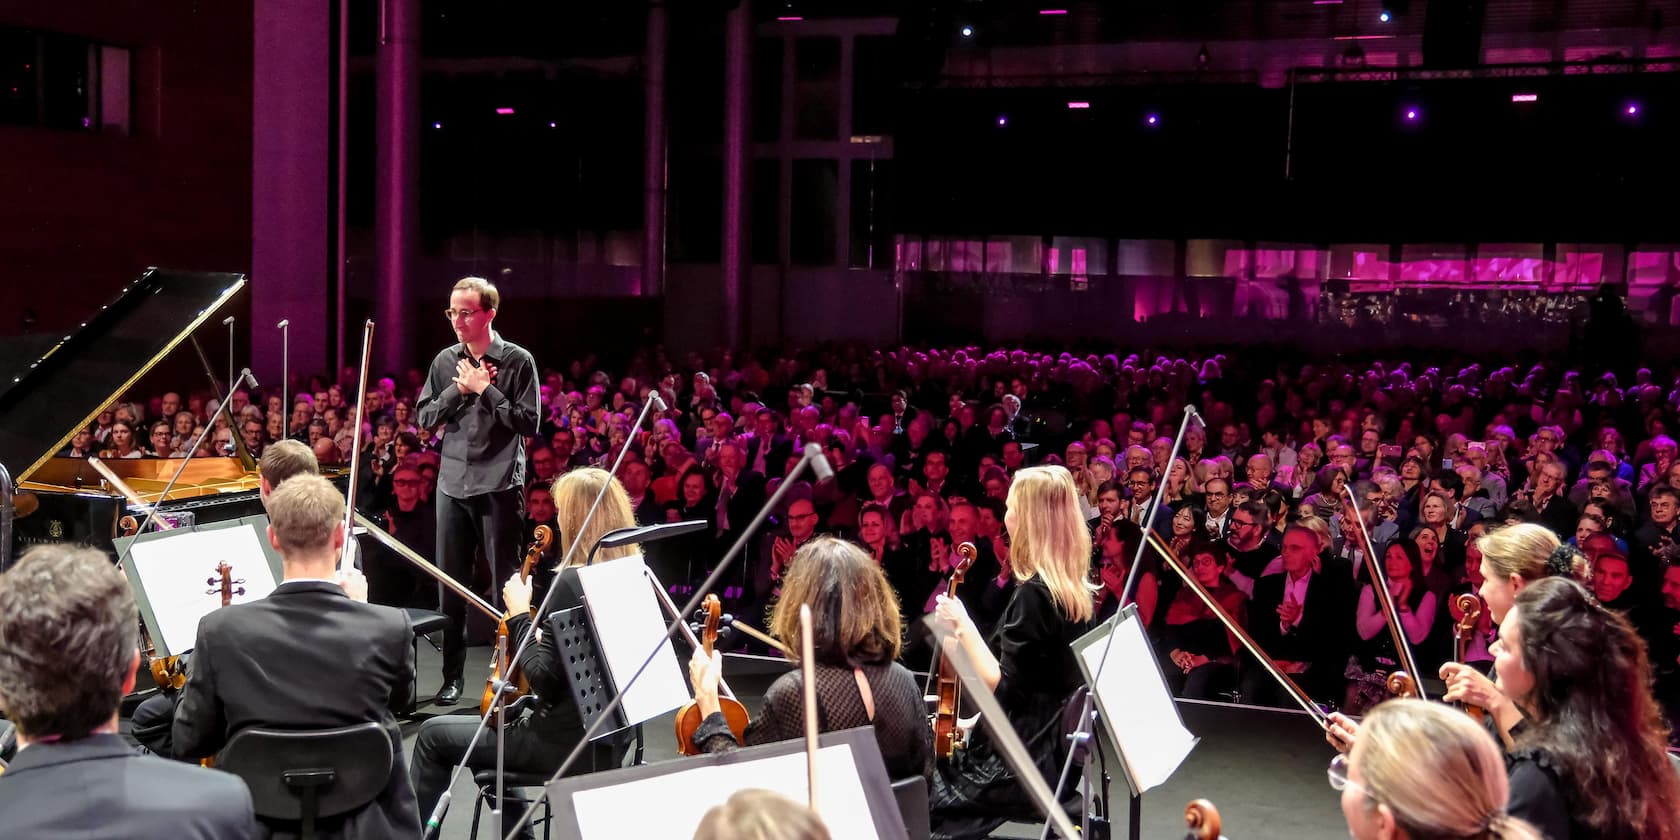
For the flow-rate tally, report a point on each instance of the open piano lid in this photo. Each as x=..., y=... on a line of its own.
x=47, y=397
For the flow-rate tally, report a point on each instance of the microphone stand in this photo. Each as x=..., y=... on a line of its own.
x=813, y=454
x=435, y=821
x=228, y=322
x=1085, y=734
x=285, y=327
x=1385, y=601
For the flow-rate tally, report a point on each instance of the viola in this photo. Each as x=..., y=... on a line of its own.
x=222, y=582
x=689, y=717
x=541, y=539
x=1467, y=609
x=947, y=737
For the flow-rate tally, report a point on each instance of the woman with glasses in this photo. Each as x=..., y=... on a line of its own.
x=1422, y=770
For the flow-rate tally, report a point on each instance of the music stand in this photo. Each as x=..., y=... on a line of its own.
x=606, y=615
x=856, y=794
x=168, y=572
x=1131, y=701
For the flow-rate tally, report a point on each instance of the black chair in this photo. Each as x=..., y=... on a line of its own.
x=512, y=782
x=425, y=623
x=305, y=776
x=912, y=795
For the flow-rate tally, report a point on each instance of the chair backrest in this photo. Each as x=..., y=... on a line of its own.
x=358, y=758
x=912, y=795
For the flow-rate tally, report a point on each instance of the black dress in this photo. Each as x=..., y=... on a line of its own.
x=975, y=791
x=900, y=722
x=1539, y=796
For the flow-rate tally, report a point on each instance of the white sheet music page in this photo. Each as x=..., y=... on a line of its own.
x=177, y=573
x=1138, y=712
x=683, y=797
x=629, y=623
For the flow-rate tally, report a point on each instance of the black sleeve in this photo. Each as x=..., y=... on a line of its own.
x=439, y=398
x=514, y=401
x=1028, y=620
x=402, y=688
x=1537, y=797
x=542, y=666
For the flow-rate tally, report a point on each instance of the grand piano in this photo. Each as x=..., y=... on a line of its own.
x=53, y=387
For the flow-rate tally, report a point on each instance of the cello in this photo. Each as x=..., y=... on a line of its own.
x=689, y=717
x=541, y=539
x=947, y=737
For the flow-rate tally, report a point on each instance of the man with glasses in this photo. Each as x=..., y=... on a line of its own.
x=1216, y=494
x=1250, y=553
x=1347, y=539
x=483, y=392
x=1142, y=484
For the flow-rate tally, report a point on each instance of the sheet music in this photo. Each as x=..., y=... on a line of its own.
x=1137, y=711
x=684, y=796
x=628, y=623
x=175, y=570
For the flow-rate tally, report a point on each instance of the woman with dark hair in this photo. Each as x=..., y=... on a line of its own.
x=696, y=499
x=1189, y=523
x=1590, y=758
x=1375, y=656
x=123, y=442
x=1325, y=500
x=1414, y=482
x=855, y=636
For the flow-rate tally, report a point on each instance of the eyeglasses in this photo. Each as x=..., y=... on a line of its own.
x=1243, y=523
x=463, y=314
x=1338, y=774
x=408, y=482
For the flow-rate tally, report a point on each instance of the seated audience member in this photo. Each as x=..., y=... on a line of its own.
x=753, y=814
x=1200, y=650
x=1302, y=619
x=855, y=634
x=1419, y=771
x=68, y=654
x=282, y=663
x=1375, y=656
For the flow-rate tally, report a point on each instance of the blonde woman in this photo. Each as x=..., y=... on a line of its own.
x=539, y=740
x=1422, y=770
x=1034, y=671
x=757, y=814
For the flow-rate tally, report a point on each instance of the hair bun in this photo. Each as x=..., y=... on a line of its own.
x=1561, y=562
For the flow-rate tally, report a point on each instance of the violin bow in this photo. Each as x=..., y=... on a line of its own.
x=1411, y=682
x=345, y=561
x=808, y=670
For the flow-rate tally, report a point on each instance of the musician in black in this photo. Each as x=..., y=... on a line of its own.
x=68, y=653
x=483, y=392
x=538, y=740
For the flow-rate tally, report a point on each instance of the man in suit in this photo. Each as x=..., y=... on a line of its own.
x=68, y=654
x=312, y=655
x=1301, y=618
x=768, y=447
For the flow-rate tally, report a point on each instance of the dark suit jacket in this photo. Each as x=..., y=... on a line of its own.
x=305, y=657
x=1322, y=636
x=775, y=460
x=100, y=787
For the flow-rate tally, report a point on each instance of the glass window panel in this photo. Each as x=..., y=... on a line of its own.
x=767, y=90
x=1145, y=257
x=816, y=90
x=816, y=186
x=1434, y=265
x=1206, y=258
x=1078, y=255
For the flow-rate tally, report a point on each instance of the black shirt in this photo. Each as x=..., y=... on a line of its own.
x=484, y=434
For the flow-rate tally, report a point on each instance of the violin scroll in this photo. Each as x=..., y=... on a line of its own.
x=1401, y=684
x=1202, y=819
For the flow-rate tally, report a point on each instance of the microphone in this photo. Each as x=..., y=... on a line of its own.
x=228, y=321
x=658, y=402
x=1197, y=415
x=818, y=461
x=249, y=380
x=284, y=323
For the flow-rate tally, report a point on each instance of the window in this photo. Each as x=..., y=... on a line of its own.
x=816, y=88
x=816, y=187
x=63, y=81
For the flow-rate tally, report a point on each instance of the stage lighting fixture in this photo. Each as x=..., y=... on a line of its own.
x=1079, y=106
x=967, y=31
x=1385, y=16
x=1525, y=97
x=1412, y=114
x=1152, y=119
x=437, y=126
x=504, y=112
x=1631, y=109
x=1002, y=120
x=553, y=124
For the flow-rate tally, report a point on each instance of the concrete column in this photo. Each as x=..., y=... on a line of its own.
x=737, y=156
x=291, y=94
x=396, y=201
x=653, y=152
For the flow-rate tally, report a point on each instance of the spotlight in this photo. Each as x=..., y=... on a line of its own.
x=1002, y=120
x=967, y=31
x=1384, y=16
x=1152, y=119
x=1631, y=109
x=553, y=124
x=1411, y=114
x=437, y=126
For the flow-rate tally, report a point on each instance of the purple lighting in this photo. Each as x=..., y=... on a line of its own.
x=1002, y=120
x=789, y=18
x=1411, y=113
x=1079, y=106
x=1153, y=119
x=1525, y=97
x=1632, y=109
x=437, y=125
x=506, y=112
x=553, y=124
x=1052, y=11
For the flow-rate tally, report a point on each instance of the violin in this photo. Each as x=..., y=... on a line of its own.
x=947, y=737
x=541, y=539
x=222, y=582
x=1202, y=820
x=1467, y=609
x=689, y=717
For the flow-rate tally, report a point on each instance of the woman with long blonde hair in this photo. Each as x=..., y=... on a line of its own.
x=1422, y=770
x=1034, y=672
